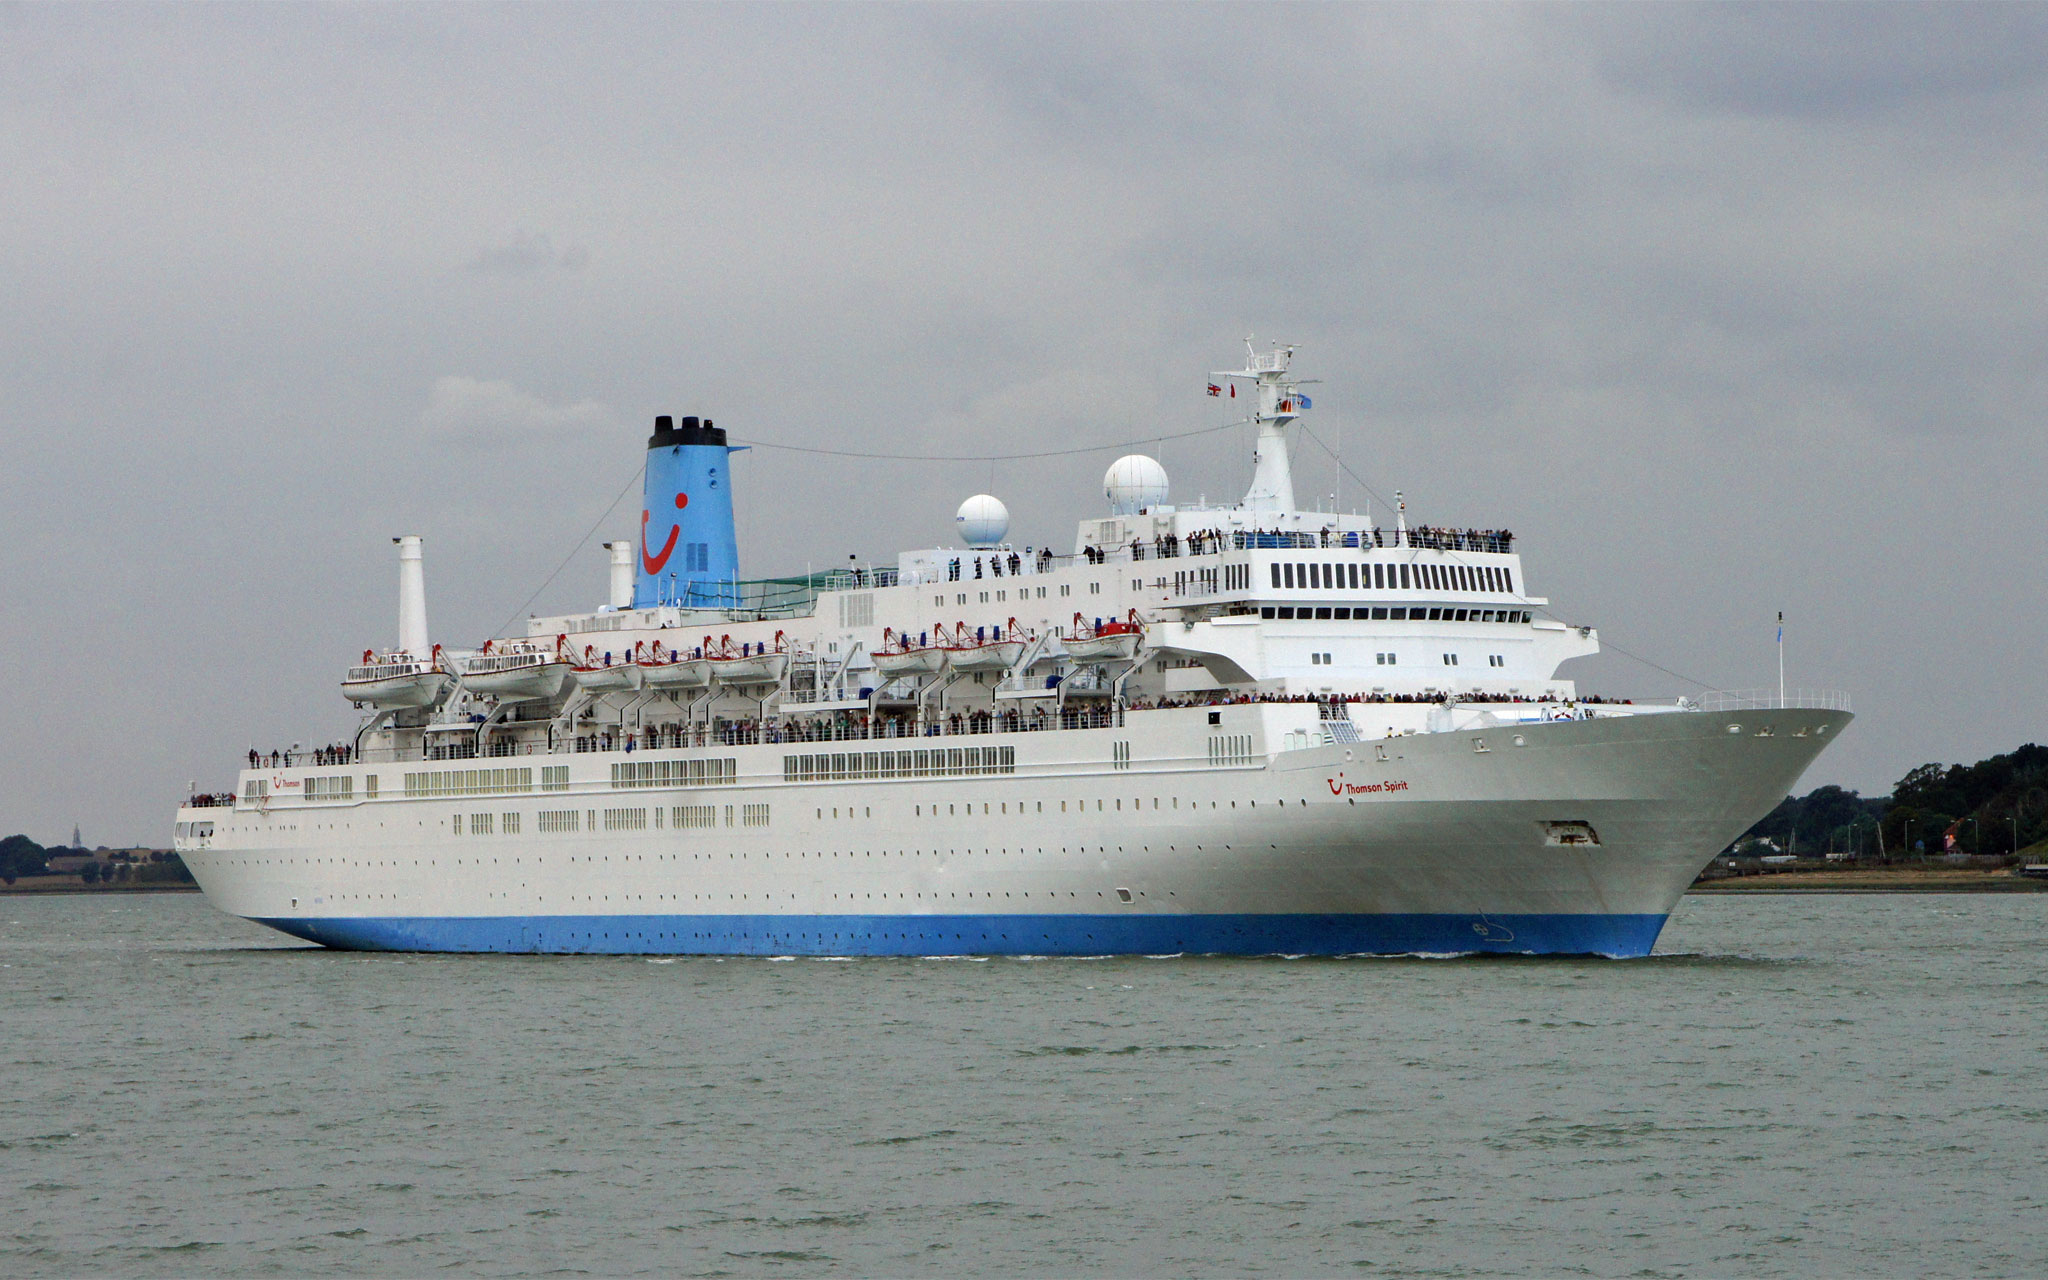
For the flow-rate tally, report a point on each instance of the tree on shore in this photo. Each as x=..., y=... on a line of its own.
x=2006, y=795
x=21, y=856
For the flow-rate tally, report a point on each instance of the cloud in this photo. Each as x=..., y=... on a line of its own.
x=476, y=411
x=527, y=255
x=1819, y=59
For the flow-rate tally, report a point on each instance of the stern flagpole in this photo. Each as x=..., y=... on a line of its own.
x=1781, y=659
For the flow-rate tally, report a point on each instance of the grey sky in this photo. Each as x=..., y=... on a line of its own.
x=1724, y=309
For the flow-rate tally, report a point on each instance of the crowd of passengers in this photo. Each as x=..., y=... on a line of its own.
x=850, y=726
x=333, y=753
x=1209, y=542
x=1334, y=699
x=1204, y=542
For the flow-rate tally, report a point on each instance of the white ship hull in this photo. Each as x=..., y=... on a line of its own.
x=1441, y=847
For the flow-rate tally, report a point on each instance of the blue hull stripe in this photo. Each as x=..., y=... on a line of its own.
x=1088, y=935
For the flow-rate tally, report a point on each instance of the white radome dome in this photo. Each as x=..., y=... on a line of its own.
x=983, y=521
x=1134, y=482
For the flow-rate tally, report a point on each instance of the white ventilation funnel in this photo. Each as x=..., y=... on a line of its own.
x=412, y=597
x=622, y=574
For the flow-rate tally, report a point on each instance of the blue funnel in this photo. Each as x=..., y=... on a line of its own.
x=689, y=555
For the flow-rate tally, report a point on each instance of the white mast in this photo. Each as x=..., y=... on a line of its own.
x=1278, y=405
x=622, y=574
x=412, y=597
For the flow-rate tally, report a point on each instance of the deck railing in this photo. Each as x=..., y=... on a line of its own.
x=1773, y=699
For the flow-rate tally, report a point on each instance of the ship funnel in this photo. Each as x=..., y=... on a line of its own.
x=412, y=597
x=689, y=555
x=622, y=574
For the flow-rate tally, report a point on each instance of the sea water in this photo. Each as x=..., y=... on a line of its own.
x=1792, y=1086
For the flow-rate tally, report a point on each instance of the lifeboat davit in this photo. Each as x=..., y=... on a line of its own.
x=901, y=656
x=1112, y=641
x=746, y=664
x=670, y=669
x=395, y=680
x=997, y=652
x=597, y=673
x=521, y=671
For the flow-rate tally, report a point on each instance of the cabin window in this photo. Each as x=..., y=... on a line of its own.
x=1323, y=613
x=1287, y=576
x=1344, y=614
x=1351, y=575
x=1266, y=611
x=1404, y=577
x=1275, y=566
x=1287, y=611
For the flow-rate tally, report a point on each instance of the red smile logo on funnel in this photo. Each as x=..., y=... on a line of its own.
x=653, y=564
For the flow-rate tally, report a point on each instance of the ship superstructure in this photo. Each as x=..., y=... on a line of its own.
x=1243, y=728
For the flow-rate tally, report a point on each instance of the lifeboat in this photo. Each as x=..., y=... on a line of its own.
x=597, y=673
x=1111, y=641
x=395, y=680
x=902, y=656
x=670, y=669
x=998, y=651
x=744, y=663
x=520, y=671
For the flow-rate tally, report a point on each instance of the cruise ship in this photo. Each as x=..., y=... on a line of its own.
x=1199, y=728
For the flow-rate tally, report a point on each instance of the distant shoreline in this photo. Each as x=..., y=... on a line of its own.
x=32, y=886
x=1876, y=880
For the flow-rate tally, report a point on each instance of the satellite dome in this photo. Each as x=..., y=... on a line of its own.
x=1134, y=482
x=983, y=521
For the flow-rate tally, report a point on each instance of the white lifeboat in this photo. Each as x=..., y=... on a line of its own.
x=1112, y=641
x=745, y=663
x=521, y=671
x=902, y=656
x=597, y=673
x=670, y=669
x=976, y=652
x=395, y=680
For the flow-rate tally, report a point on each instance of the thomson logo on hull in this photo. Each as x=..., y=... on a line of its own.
x=1339, y=787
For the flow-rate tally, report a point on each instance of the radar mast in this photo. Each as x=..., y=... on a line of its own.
x=1278, y=404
